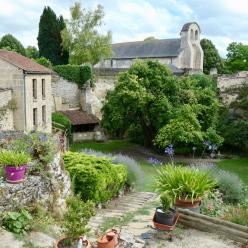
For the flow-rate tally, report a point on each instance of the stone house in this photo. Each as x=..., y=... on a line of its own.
x=182, y=54
x=28, y=84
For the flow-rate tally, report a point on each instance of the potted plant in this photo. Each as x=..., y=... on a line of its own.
x=185, y=185
x=75, y=220
x=15, y=165
x=165, y=214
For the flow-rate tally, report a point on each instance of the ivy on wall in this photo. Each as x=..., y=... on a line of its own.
x=11, y=105
x=78, y=74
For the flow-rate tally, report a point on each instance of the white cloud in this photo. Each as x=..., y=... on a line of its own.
x=222, y=21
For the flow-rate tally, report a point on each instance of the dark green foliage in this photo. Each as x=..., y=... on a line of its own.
x=9, y=42
x=17, y=222
x=237, y=57
x=75, y=73
x=77, y=217
x=233, y=124
x=96, y=179
x=45, y=62
x=32, y=52
x=211, y=57
x=153, y=106
x=49, y=38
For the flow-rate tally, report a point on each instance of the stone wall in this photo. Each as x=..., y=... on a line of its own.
x=6, y=120
x=228, y=83
x=82, y=136
x=66, y=94
x=51, y=192
x=13, y=77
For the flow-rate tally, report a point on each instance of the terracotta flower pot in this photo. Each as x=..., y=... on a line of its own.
x=15, y=174
x=109, y=240
x=60, y=242
x=188, y=203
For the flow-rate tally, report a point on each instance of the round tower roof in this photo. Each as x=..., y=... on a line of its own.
x=186, y=26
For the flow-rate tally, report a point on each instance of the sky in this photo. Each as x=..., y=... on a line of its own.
x=222, y=21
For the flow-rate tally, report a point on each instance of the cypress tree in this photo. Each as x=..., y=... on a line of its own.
x=49, y=38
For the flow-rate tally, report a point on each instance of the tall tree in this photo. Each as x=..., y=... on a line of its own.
x=237, y=57
x=9, y=42
x=212, y=58
x=49, y=37
x=149, y=101
x=32, y=52
x=81, y=37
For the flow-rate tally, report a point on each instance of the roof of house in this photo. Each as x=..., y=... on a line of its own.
x=23, y=62
x=79, y=117
x=147, y=49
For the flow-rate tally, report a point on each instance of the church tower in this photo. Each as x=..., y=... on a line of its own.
x=191, y=56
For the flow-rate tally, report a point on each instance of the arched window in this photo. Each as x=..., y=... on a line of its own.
x=196, y=35
x=191, y=35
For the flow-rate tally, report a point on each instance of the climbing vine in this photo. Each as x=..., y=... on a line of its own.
x=11, y=105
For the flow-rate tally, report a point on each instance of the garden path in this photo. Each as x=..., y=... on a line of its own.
x=132, y=215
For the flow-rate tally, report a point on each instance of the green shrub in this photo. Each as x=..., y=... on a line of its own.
x=96, y=179
x=45, y=62
x=17, y=222
x=183, y=182
x=41, y=146
x=75, y=73
x=77, y=216
x=13, y=158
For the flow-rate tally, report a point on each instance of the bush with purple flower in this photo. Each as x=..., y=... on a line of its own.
x=169, y=150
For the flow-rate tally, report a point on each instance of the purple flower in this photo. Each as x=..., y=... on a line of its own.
x=169, y=150
x=43, y=137
x=152, y=160
x=206, y=143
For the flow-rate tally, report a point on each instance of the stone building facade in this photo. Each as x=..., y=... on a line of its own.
x=183, y=54
x=227, y=85
x=30, y=84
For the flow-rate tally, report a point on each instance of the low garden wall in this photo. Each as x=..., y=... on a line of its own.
x=49, y=191
x=205, y=223
x=82, y=136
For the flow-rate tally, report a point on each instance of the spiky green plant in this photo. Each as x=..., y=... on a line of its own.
x=12, y=158
x=182, y=182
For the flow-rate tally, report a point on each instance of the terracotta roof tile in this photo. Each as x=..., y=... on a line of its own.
x=79, y=117
x=23, y=62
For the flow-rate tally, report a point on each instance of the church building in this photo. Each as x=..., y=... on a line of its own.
x=182, y=55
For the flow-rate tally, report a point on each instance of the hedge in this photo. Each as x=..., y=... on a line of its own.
x=63, y=120
x=78, y=74
x=94, y=178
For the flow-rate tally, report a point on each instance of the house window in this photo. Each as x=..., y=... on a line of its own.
x=111, y=62
x=43, y=85
x=35, y=119
x=34, y=89
x=44, y=115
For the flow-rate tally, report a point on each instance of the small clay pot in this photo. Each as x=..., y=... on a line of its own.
x=62, y=243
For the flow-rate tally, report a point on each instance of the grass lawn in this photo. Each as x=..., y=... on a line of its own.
x=108, y=146
x=238, y=166
x=150, y=172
